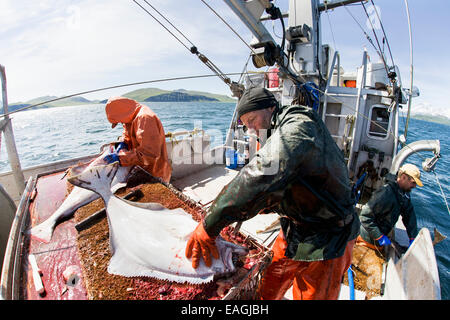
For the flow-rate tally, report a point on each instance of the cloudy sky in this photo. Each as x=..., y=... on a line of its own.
x=52, y=47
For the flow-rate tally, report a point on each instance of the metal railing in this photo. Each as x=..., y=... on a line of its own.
x=6, y=128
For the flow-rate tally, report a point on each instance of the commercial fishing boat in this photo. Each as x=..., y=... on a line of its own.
x=360, y=110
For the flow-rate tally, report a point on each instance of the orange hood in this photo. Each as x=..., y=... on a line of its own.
x=120, y=109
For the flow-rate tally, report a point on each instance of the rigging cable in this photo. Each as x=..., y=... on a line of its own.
x=442, y=191
x=169, y=22
x=364, y=31
x=185, y=78
x=378, y=42
x=182, y=43
x=331, y=29
x=234, y=86
x=384, y=33
x=411, y=69
x=228, y=25
x=275, y=13
x=115, y=87
x=367, y=118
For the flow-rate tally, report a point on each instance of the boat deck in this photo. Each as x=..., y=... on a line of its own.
x=61, y=253
x=204, y=186
x=54, y=257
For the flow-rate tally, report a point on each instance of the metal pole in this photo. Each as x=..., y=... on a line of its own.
x=13, y=156
x=411, y=70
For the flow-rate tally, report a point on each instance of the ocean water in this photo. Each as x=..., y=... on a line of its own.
x=54, y=134
x=428, y=201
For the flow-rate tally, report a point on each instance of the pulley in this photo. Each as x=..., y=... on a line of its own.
x=429, y=163
x=265, y=54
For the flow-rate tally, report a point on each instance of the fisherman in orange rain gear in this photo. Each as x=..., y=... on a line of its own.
x=143, y=141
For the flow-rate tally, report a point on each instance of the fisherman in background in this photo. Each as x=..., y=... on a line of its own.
x=380, y=214
x=310, y=190
x=143, y=141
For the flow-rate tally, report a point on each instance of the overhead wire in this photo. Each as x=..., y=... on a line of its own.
x=411, y=67
x=220, y=73
x=369, y=39
x=321, y=91
x=173, y=26
x=331, y=29
x=115, y=87
x=235, y=88
x=217, y=74
x=368, y=119
x=442, y=191
x=228, y=25
x=380, y=52
x=167, y=29
x=386, y=69
x=376, y=38
x=384, y=33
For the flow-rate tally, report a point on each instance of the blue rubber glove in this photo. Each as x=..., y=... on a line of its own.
x=384, y=241
x=121, y=146
x=112, y=157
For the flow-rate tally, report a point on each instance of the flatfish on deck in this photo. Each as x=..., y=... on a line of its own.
x=147, y=239
x=77, y=198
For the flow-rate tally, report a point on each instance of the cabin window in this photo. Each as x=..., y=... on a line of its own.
x=380, y=122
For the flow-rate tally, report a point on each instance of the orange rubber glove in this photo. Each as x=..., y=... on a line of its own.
x=199, y=245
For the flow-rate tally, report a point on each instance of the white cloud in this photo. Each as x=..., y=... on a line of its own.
x=57, y=49
x=429, y=108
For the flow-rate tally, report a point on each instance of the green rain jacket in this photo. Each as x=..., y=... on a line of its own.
x=380, y=214
x=299, y=173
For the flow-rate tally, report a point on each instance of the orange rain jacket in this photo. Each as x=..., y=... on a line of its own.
x=144, y=135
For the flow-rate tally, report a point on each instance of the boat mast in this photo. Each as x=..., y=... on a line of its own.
x=302, y=35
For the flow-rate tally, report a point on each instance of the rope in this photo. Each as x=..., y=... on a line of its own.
x=442, y=191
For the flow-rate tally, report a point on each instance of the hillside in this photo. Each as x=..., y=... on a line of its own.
x=142, y=94
x=73, y=101
x=179, y=97
x=432, y=118
x=147, y=94
x=176, y=95
x=160, y=95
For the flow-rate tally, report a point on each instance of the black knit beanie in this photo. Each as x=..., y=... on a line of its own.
x=255, y=99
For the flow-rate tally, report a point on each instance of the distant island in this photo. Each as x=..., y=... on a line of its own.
x=160, y=95
x=141, y=95
x=432, y=118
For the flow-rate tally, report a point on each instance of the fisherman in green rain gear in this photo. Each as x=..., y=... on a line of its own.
x=300, y=173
